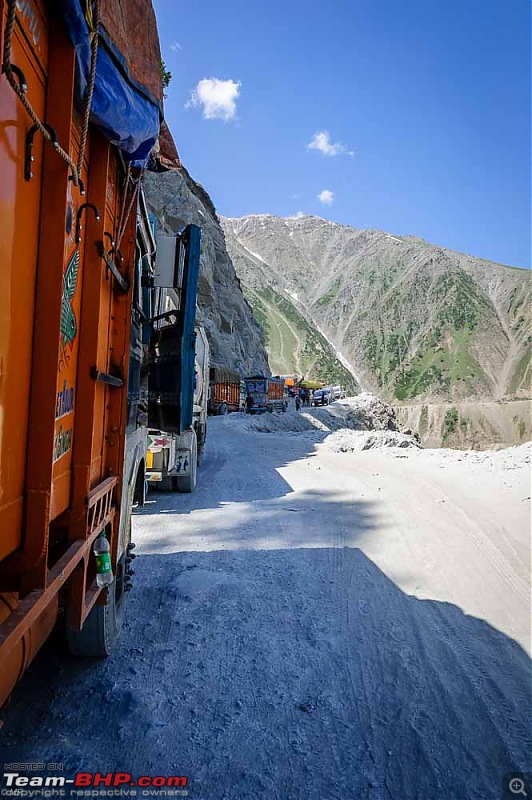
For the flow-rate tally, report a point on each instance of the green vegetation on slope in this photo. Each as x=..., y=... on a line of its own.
x=331, y=293
x=450, y=423
x=434, y=359
x=522, y=376
x=294, y=346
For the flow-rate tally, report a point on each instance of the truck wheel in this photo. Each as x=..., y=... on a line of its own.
x=102, y=627
x=223, y=410
x=187, y=483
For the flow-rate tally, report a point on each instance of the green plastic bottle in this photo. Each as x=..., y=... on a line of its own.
x=104, y=570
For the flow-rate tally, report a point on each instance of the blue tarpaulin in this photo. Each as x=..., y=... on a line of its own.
x=124, y=110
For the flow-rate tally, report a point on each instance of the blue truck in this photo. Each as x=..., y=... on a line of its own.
x=178, y=366
x=266, y=394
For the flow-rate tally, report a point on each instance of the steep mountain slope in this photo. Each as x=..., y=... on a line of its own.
x=235, y=338
x=295, y=345
x=417, y=321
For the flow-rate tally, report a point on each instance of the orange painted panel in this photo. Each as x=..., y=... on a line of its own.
x=99, y=460
x=19, y=230
x=65, y=407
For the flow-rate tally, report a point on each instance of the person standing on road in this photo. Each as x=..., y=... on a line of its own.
x=249, y=403
x=298, y=402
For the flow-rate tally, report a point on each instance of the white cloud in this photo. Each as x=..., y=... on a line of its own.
x=176, y=47
x=321, y=141
x=216, y=98
x=326, y=197
x=299, y=214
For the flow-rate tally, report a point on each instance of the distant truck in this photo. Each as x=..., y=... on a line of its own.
x=225, y=391
x=268, y=394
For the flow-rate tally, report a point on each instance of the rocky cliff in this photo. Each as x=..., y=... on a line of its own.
x=236, y=340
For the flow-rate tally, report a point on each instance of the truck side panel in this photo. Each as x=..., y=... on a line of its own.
x=64, y=349
x=228, y=393
x=19, y=216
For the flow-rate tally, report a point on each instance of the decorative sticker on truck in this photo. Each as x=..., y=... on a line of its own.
x=69, y=327
x=64, y=403
x=62, y=443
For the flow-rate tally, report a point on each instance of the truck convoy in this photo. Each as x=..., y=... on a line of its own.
x=83, y=361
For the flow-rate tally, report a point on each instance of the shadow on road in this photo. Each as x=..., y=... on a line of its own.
x=221, y=480
x=302, y=674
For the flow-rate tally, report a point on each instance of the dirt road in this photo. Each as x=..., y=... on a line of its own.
x=310, y=624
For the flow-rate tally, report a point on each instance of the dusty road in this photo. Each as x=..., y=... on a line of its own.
x=309, y=624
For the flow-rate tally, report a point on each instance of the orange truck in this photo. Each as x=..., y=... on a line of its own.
x=225, y=391
x=81, y=110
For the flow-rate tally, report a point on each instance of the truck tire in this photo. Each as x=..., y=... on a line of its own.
x=103, y=625
x=166, y=484
x=223, y=410
x=187, y=483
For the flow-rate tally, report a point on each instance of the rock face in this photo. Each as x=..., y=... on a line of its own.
x=416, y=322
x=235, y=339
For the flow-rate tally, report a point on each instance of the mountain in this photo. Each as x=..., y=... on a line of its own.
x=412, y=320
x=235, y=338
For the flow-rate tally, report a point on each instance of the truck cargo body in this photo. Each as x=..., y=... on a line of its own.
x=225, y=391
x=68, y=242
x=226, y=397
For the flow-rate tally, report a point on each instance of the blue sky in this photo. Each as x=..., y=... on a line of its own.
x=427, y=107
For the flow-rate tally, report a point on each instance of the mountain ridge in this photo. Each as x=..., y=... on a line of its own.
x=416, y=320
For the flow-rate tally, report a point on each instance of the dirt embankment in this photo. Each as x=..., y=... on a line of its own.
x=469, y=425
x=356, y=423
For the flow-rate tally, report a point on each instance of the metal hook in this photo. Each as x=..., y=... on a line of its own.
x=23, y=84
x=111, y=239
x=29, y=157
x=81, y=209
x=81, y=185
x=111, y=251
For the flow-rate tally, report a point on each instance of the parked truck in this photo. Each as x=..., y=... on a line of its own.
x=81, y=106
x=268, y=394
x=174, y=456
x=225, y=391
x=179, y=359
